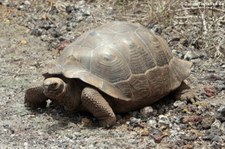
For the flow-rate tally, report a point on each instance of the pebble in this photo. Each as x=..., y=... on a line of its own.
x=85, y=122
x=152, y=123
x=216, y=145
x=177, y=53
x=23, y=42
x=4, y=2
x=156, y=29
x=144, y=132
x=191, y=55
x=53, y=10
x=27, y=3
x=86, y=12
x=36, y=32
x=211, y=134
x=21, y=7
x=25, y=145
x=55, y=33
x=151, y=143
x=216, y=124
x=222, y=127
x=156, y=134
x=207, y=121
x=221, y=113
x=164, y=120
x=180, y=104
x=146, y=112
x=69, y=9
x=210, y=90
x=193, y=119
x=189, y=136
x=134, y=121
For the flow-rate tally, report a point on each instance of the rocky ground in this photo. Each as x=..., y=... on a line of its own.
x=33, y=33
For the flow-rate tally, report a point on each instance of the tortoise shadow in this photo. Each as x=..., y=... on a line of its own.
x=66, y=120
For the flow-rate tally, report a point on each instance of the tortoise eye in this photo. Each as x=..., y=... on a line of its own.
x=53, y=85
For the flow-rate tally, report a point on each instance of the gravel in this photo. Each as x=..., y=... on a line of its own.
x=35, y=32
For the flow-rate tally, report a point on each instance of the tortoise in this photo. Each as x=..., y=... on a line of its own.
x=115, y=68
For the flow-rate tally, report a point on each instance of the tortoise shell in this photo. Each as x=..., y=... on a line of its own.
x=124, y=60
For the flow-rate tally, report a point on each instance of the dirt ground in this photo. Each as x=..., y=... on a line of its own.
x=33, y=33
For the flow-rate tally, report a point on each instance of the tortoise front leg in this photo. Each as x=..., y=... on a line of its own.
x=93, y=101
x=34, y=97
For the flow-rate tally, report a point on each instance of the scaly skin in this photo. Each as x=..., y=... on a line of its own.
x=93, y=101
x=184, y=92
x=34, y=97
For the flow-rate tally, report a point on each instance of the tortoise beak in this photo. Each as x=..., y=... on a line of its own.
x=53, y=86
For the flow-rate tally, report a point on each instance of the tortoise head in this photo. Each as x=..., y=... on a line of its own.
x=54, y=87
x=65, y=92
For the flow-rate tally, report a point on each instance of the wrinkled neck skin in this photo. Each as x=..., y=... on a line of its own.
x=70, y=98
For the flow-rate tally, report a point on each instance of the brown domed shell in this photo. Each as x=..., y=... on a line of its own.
x=124, y=60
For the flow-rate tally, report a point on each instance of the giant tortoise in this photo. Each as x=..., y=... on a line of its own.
x=117, y=67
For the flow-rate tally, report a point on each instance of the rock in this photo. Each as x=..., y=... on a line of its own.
x=55, y=33
x=220, y=115
x=21, y=7
x=211, y=134
x=36, y=32
x=156, y=28
x=164, y=120
x=25, y=145
x=207, y=121
x=53, y=10
x=146, y=112
x=86, y=12
x=69, y=9
x=134, y=121
x=156, y=134
x=216, y=124
x=191, y=55
x=151, y=143
x=152, y=123
x=216, y=145
x=85, y=122
x=144, y=132
x=189, y=136
x=213, y=77
x=210, y=90
x=46, y=24
x=23, y=42
x=177, y=53
x=4, y=2
x=193, y=119
x=180, y=104
x=222, y=127
x=62, y=45
x=27, y=3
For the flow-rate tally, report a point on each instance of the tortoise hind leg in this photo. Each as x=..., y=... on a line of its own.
x=34, y=97
x=184, y=92
x=93, y=101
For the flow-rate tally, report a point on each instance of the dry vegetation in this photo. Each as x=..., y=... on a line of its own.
x=200, y=23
